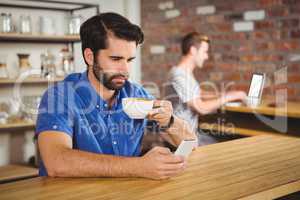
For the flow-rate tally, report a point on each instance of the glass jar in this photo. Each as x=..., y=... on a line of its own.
x=30, y=106
x=6, y=23
x=25, y=25
x=74, y=24
x=66, y=61
x=2, y=19
x=47, y=25
x=24, y=64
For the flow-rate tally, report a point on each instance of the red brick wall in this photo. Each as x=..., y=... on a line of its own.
x=272, y=43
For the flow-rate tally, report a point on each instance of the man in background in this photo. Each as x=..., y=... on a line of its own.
x=189, y=102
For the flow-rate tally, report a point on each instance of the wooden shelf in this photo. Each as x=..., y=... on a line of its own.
x=30, y=80
x=18, y=125
x=16, y=37
x=234, y=130
x=66, y=6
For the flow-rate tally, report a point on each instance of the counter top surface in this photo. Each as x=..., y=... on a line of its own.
x=259, y=167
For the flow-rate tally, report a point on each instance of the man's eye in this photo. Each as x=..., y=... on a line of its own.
x=130, y=60
x=115, y=59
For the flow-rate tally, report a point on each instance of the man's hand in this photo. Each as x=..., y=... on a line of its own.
x=162, y=112
x=160, y=163
x=179, y=130
x=235, y=96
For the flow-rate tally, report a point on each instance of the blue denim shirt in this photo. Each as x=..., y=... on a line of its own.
x=74, y=108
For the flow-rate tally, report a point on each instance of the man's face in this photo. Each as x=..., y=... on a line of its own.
x=202, y=54
x=112, y=65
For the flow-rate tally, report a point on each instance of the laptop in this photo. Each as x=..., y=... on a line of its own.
x=255, y=91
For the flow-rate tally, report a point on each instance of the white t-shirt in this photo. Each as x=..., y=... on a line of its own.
x=183, y=88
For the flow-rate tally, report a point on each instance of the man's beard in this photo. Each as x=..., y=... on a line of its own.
x=107, y=78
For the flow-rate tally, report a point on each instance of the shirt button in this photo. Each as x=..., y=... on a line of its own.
x=114, y=142
x=54, y=126
x=105, y=105
x=97, y=106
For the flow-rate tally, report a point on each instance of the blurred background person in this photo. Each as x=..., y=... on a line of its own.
x=184, y=90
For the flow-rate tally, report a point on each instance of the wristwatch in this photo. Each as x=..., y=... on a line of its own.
x=171, y=122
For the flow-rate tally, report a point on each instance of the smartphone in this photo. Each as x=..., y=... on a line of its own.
x=186, y=147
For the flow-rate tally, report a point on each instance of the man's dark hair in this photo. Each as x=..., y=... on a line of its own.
x=94, y=31
x=192, y=39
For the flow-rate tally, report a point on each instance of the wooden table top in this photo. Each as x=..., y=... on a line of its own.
x=13, y=172
x=291, y=109
x=260, y=167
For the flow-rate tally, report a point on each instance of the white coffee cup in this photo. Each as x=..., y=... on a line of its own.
x=137, y=108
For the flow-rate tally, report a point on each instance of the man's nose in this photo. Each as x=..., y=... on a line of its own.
x=124, y=66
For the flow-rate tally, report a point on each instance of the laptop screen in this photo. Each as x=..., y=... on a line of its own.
x=256, y=86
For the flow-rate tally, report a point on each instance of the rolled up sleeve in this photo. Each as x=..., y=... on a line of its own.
x=55, y=113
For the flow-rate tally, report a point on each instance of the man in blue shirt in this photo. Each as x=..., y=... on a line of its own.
x=82, y=129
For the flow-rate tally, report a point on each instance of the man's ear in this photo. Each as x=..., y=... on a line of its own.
x=88, y=56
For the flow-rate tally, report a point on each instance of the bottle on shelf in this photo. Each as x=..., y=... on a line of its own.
x=3, y=67
x=48, y=65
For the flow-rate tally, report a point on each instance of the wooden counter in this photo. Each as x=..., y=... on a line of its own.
x=251, y=121
x=291, y=109
x=260, y=167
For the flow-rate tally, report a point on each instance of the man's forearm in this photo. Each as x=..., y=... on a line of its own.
x=76, y=163
x=206, y=107
x=209, y=106
x=205, y=95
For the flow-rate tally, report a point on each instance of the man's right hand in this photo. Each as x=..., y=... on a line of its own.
x=235, y=96
x=160, y=163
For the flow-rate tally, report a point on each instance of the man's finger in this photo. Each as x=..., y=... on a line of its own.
x=173, y=159
x=156, y=111
x=171, y=173
x=173, y=167
x=158, y=116
x=162, y=104
x=157, y=104
x=163, y=150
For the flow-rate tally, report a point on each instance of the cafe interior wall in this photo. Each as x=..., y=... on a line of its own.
x=247, y=36
x=128, y=8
